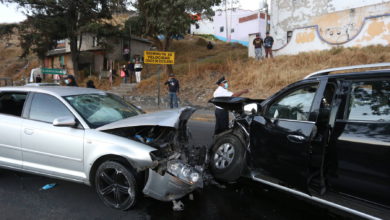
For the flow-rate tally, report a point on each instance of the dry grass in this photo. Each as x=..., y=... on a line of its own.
x=199, y=68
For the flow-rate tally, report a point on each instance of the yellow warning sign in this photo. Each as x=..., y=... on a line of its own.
x=159, y=57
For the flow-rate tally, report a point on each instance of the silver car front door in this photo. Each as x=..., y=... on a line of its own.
x=11, y=106
x=51, y=149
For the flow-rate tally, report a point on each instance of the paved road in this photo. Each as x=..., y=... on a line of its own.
x=20, y=198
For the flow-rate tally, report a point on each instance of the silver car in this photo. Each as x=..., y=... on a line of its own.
x=93, y=137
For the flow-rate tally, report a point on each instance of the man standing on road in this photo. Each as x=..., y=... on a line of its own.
x=268, y=42
x=222, y=115
x=173, y=90
x=258, y=44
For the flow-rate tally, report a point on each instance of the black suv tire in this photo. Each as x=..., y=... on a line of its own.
x=227, y=158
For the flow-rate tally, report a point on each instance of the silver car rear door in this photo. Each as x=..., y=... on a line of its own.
x=11, y=106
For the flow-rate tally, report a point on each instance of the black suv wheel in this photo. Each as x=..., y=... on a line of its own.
x=116, y=185
x=227, y=158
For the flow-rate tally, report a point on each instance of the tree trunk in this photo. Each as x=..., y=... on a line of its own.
x=75, y=55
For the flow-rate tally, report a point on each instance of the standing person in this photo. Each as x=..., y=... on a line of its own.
x=130, y=70
x=126, y=53
x=173, y=90
x=70, y=81
x=90, y=84
x=38, y=79
x=123, y=74
x=258, y=43
x=268, y=42
x=138, y=69
x=222, y=115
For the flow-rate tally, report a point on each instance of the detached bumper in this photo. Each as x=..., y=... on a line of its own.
x=167, y=187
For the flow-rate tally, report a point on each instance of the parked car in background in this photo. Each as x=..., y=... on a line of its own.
x=93, y=137
x=325, y=138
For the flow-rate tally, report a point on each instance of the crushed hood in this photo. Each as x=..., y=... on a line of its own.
x=169, y=118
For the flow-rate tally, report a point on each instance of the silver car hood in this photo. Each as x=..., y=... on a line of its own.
x=167, y=118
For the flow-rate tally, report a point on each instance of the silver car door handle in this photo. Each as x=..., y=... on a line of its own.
x=296, y=138
x=28, y=131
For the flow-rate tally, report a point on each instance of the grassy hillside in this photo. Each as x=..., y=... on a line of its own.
x=197, y=68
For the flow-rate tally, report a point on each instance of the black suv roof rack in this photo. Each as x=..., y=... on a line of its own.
x=327, y=71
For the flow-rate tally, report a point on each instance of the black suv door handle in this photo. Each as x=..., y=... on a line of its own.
x=296, y=138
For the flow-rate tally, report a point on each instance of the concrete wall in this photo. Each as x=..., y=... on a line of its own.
x=374, y=31
x=86, y=44
x=244, y=22
x=205, y=26
x=327, y=22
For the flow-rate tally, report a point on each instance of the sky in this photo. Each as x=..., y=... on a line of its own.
x=10, y=14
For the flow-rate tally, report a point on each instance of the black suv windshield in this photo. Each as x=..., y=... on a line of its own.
x=101, y=109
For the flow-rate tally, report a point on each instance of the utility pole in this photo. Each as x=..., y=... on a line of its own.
x=226, y=20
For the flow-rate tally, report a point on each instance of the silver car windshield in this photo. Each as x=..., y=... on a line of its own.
x=101, y=109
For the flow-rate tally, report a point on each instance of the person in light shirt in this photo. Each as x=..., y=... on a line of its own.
x=222, y=115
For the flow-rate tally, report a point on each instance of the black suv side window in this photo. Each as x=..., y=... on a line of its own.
x=295, y=105
x=369, y=101
x=11, y=103
x=46, y=108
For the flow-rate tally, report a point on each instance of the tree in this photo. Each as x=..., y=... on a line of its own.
x=161, y=20
x=51, y=20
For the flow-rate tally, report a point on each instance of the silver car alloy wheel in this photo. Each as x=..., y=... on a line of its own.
x=114, y=186
x=224, y=156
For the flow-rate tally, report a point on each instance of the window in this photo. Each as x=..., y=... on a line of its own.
x=221, y=29
x=232, y=30
x=295, y=105
x=101, y=109
x=289, y=36
x=12, y=103
x=369, y=101
x=46, y=108
x=95, y=41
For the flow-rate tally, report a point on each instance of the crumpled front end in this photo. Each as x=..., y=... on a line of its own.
x=178, y=167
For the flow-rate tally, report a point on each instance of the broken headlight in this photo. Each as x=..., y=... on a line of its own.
x=183, y=171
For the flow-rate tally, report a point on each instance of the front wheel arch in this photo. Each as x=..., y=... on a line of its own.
x=228, y=157
x=111, y=157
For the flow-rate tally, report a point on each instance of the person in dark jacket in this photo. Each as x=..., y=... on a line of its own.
x=173, y=90
x=38, y=79
x=258, y=44
x=268, y=42
x=70, y=81
x=210, y=45
x=90, y=84
x=130, y=70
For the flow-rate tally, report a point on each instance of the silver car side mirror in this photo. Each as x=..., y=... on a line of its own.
x=250, y=109
x=67, y=121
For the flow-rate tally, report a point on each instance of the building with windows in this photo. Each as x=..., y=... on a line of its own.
x=232, y=25
x=308, y=25
x=96, y=59
x=98, y=56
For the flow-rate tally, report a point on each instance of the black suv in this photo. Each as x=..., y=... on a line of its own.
x=325, y=138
